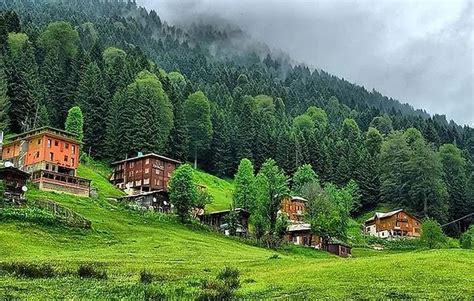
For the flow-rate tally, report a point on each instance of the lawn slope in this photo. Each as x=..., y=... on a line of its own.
x=124, y=243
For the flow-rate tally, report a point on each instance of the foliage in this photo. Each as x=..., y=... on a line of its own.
x=198, y=116
x=232, y=221
x=146, y=277
x=303, y=175
x=223, y=287
x=183, y=192
x=203, y=198
x=271, y=186
x=432, y=236
x=28, y=270
x=75, y=122
x=465, y=241
x=89, y=271
x=244, y=195
x=34, y=215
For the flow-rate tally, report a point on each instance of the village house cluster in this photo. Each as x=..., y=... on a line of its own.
x=49, y=157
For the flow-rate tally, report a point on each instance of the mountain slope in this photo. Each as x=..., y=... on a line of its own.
x=123, y=243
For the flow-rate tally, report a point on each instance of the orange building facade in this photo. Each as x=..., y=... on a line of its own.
x=294, y=208
x=51, y=156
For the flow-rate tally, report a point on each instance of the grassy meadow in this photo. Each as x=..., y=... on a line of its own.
x=124, y=242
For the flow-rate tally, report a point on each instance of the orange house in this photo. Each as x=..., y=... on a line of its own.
x=294, y=207
x=51, y=156
x=398, y=223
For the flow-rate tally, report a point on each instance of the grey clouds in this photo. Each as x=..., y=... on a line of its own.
x=420, y=52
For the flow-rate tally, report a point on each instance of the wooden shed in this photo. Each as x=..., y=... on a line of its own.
x=339, y=248
x=217, y=220
x=14, y=181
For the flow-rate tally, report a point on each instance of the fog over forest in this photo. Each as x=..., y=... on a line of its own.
x=420, y=52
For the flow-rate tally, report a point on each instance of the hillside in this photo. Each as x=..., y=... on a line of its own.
x=123, y=243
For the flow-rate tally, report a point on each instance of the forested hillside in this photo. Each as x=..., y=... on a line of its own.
x=143, y=85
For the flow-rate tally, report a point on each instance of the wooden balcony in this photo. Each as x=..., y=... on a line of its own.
x=55, y=181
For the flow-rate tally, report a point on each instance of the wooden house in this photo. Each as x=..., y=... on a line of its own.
x=143, y=173
x=51, y=156
x=294, y=208
x=394, y=224
x=217, y=220
x=14, y=182
x=300, y=234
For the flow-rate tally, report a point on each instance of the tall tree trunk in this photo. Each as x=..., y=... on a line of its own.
x=195, y=160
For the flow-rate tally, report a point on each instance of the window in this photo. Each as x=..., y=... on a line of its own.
x=66, y=145
x=49, y=143
x=56, y=142
x=72, y=161
x=66, y=159
x=147, y=161
x=47, y=166
x=39, y=141
x=8, y=150
x=51, y=156
x=37, y=154
x=147, y=170
x=73, y=147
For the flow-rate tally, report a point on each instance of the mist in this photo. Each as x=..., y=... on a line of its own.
x=420, y=52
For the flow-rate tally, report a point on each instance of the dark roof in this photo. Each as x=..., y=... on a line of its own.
x=227, y=211
x=334, y=241
x=4, y=171
x=45, y=129
x=148, y=155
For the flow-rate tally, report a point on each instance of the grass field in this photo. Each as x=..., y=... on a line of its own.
x=123, y=243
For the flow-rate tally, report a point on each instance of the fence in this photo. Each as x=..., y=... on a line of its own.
x=67, y=216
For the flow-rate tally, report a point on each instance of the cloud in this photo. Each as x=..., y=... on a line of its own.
x=420, y=52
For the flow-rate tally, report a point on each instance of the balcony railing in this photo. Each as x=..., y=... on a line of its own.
x=60, y=179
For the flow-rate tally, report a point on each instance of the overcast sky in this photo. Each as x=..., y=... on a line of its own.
x=420, y=52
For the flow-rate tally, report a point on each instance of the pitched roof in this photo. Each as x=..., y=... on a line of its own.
x=299, y=227
x=148, y=155
x=380, y=215
x=228, y=210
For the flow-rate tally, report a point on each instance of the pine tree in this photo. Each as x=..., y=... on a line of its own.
x=178, y=143
x=92, y=99
x=244, y=180
x=4, y=100
x=183, y=192
x=75, y=122
x=43, y=117
x=222, y=146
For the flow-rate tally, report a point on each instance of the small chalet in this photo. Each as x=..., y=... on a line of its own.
x=294, y=208
x=339, y=248
x=217, y=220
x=14, y=181
x=300, y=234
x=394, y=224
x=51, y=156
x=143, y=173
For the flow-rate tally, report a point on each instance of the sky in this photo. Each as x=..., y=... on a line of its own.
x=419, y=52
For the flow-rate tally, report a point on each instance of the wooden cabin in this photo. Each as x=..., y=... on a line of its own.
x=394, y=224
x=51, y=156
x=217, y=220
x=294, y=208
x=143, y=173
x=339, y=248
x=14, y=182
x=300, y=234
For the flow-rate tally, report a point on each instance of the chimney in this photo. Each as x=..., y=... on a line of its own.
x=140, y=154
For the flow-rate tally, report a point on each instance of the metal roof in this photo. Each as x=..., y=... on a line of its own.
x=299, y=227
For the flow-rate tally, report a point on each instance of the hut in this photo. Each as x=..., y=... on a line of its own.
x=217, y=220
x=14, y=181
x=339, y=248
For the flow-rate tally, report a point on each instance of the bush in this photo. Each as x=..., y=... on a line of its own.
x=28, y=270
x=223, y=287
x=146, y=277
x=432, y=236
x=465, y=241
x=35, y=215
x=89, y=271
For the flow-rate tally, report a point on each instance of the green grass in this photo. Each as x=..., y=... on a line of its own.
x=221, y=190
x=124, y=243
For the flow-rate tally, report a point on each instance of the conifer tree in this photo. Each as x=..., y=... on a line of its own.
x=183, y=192
x=43, y=117
x=92, y=99
x=244, y=180
x=75, y=122
x=4, y=100
x=198, y=116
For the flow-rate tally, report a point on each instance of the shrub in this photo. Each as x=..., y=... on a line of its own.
x=222, y=287
x=465, y=241
x=29, y=270
x=35, y=215
x=432, y=236
x=89, y=271
x=146, y=277
x=274, y=256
